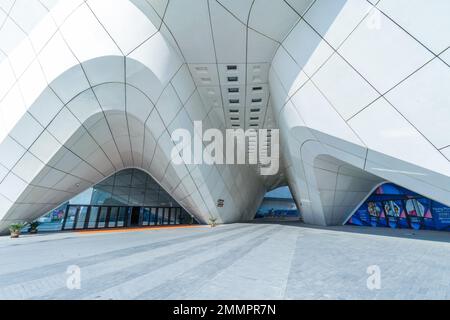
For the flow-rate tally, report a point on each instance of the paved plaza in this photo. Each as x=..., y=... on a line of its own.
x=241, y=261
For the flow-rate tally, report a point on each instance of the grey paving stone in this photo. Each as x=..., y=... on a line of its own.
x=241, y=261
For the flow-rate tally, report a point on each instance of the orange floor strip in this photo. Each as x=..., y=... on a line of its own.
x=142, y=229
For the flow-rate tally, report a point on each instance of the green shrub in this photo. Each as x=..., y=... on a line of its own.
x=213, y=222
x=17, y=227
x=34, y=227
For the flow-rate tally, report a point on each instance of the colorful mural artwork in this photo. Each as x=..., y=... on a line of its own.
x=395, y=207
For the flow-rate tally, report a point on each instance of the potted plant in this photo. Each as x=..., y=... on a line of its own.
x=15, y=229
x=213, y=222
x=33, y=229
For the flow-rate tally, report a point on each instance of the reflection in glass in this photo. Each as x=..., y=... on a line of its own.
x=185, y=218
x=131, y=187
x=122, y=216
x=101, y=195
x=139, y=179
x=173, y=216
x=146, y=218
x=121, y=193
x=82, y=215
x=153, y=216
x=93, y=218
x=119, y=196
x=113, y=217
x=178, y=216
x=102, y=218
x=108, y=182
x=70, y=220
x=160, y=216
x=136, y=196
x=166, y=216
x=123, y=178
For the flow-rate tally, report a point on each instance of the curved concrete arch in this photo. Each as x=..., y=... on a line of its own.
x=124, y=116
x=101, y=138
x=318, y=120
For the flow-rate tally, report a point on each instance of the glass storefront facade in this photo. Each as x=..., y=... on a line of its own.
x=107, y=217
x=129, y=198
x=130, y=187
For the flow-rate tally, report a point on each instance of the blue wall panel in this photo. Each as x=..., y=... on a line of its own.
x=396, y=207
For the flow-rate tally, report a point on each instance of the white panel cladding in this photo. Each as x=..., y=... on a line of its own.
x=92, y=111
x=399, y=137
x=358, y=89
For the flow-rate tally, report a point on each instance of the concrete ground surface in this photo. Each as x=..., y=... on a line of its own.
x=273, y=260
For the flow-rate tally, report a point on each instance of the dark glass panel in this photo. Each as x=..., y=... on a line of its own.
x=160, y=216
x=153, y=216
x=173, y=216
x=93, y=218
x=122, y=217
x=82, y=215
x=123, y=178
x=70, y=220
x=113, y=217
x=120, y=196
x=166, y=216
x=137, y=196
x=139, y=179
x=101, y=195
x=102, y=217
x=146, y=217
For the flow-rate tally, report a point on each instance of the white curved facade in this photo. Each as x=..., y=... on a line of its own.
x=359, y=91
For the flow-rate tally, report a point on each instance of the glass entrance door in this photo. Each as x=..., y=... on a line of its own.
x=135, y=217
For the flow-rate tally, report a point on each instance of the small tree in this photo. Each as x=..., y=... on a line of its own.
x=213, y=222
x=15, y=229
